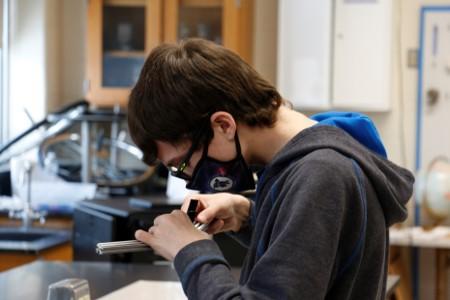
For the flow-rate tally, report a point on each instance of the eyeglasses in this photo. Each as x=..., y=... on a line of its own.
x=179, y=170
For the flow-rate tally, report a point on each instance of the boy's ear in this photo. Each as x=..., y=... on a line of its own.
x=223, y=123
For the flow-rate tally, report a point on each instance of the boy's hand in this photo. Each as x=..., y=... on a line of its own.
x=170, y=233
x=222, y=211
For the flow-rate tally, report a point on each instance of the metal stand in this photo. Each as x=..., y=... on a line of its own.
x=27, y=214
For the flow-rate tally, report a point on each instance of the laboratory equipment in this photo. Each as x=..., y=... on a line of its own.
x=72, y=143
x=27, y=213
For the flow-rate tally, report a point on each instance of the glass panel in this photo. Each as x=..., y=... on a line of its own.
x=203, y=22
x=121, y=71
x=123, y=44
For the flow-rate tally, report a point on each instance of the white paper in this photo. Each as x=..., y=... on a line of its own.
x=148, y=290
x=176, y=190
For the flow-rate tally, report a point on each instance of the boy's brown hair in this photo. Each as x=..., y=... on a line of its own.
x=181, y=86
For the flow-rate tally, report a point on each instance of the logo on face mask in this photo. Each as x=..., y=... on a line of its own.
x=221, y=183
x=211, y=175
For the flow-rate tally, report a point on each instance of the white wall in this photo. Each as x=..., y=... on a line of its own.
x=52, y=56
x=47, y=64
x=73, y=49
x=66, y=51
x=265, y=38
x=27, y=63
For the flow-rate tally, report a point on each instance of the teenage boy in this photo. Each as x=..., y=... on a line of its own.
x=317, y=227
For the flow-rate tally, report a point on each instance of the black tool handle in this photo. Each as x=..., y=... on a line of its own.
x=192, y=209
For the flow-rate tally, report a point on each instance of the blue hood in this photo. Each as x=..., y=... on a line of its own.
x=359, y=126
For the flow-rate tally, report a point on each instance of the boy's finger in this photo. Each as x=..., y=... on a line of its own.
x=144, y=236
x=215, y=226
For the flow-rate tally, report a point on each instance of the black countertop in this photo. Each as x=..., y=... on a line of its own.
x=124, y=206
x=31, y=281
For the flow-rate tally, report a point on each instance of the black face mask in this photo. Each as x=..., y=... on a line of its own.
x=214, y=176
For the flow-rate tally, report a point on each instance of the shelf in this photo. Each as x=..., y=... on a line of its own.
x=120, y=53
x=202, y=3
x=124, y=2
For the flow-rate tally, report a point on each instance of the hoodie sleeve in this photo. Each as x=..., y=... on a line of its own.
x=298, y=258
x=244, y=235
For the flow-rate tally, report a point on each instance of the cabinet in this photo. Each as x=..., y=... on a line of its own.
x=336, y=54
x=121, y=33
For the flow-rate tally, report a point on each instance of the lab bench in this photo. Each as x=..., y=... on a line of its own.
x=31, y=281
x=62, y=252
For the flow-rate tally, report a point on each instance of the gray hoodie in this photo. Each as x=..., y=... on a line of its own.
x=318, y=226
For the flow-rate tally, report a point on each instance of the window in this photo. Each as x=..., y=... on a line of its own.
x=4, y=43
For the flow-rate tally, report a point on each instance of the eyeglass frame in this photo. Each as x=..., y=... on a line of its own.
x=179, y=170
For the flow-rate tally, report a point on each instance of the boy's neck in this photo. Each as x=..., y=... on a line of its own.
x=259, y=145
